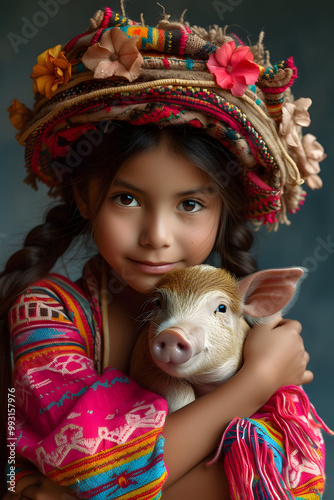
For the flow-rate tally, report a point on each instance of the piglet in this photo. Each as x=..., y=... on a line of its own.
x=197, y=328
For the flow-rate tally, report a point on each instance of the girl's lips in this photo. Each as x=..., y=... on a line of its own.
x=154, y=268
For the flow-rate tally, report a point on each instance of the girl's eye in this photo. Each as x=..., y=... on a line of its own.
x=221, y=308
x=126, y=200
x=190, y=206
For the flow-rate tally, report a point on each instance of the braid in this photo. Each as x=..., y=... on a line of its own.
x=42, y=247
x=238, y=239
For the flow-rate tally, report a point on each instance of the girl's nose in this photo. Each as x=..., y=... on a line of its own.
x=156, y=231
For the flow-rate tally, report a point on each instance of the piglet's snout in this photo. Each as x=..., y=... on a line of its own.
x=170, y=346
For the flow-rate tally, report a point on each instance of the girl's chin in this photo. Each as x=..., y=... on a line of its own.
x=146, y=286
x=144, y=278
x=139, y=278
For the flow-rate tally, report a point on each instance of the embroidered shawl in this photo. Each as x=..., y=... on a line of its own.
x=98, y=433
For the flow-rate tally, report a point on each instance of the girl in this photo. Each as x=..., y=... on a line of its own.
x=161, y=144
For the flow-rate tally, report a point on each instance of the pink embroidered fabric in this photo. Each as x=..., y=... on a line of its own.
x=99, y=433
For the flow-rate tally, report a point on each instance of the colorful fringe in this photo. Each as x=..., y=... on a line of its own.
x=278, y=453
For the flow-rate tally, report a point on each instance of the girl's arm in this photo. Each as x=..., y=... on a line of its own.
x=41, y=488
x=71, y=422
x=274, y=356
x=45, y=489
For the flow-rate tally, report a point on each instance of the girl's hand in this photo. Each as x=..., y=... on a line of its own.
x=11, y=496
x=47, y=490
x=276, y=352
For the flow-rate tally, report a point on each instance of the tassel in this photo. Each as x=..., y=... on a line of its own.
x=250, y=465
x=256, y=464
x=293, y=415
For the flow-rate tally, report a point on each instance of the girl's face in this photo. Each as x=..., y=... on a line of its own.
x=161, y=213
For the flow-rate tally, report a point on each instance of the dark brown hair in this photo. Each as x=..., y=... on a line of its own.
x=63, y=224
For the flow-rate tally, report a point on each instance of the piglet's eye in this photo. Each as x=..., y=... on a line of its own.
x=221, y=308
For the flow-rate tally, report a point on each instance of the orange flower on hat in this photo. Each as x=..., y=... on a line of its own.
x=52, y=69
x=233, y=67
x=19, y=114
x=115, y=55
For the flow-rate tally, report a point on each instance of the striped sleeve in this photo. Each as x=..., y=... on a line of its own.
x=99, y=434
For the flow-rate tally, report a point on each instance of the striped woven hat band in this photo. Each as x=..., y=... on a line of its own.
x=168, y=75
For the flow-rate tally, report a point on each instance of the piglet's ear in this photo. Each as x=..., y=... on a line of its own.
x=267, y=292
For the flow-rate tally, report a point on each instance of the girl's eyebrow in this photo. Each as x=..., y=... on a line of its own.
x=206, y=189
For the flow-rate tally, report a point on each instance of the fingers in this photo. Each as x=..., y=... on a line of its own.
x=293, y=324
x=31, y=492
x=47, y=490
x=296, y=328
x=308, y=377
x=11, y=496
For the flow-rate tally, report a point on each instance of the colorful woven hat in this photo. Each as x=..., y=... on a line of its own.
x=174, y=74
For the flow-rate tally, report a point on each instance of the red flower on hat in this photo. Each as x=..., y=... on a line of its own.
x=233, y=68
x=115, y=55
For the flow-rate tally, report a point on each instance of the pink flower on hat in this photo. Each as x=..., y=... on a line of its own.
x=115, y=55
x=314, y=154
x=294, y=116
x=234, y=68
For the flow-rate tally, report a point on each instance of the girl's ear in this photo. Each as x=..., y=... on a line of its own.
x=82, y=204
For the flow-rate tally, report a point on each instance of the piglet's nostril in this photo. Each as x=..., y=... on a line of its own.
x=171, y=347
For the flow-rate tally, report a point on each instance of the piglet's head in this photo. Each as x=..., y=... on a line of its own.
x=199, y=327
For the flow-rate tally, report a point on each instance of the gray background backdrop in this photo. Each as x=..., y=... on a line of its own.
x=301, y=28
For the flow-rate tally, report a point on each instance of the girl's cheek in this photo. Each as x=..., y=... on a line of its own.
x=202, y=242
x=200, y=253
